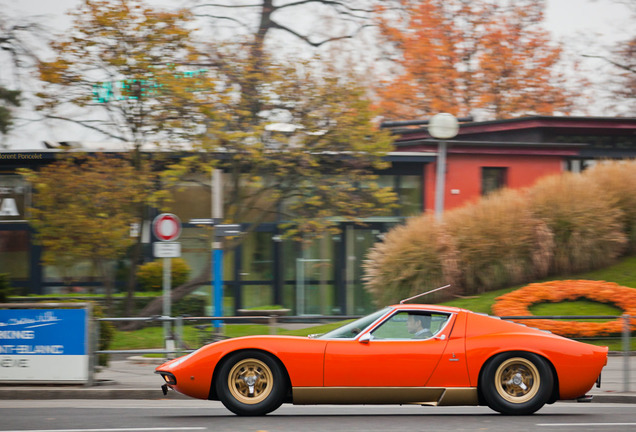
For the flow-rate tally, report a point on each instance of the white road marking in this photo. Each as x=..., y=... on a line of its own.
x=585, y=424
x=153, y=429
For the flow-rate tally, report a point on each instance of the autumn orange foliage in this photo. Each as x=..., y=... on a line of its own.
x=518, y=302
x=460, y=57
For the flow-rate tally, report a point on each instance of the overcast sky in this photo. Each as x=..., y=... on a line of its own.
x=563, y=17
x=579, y=24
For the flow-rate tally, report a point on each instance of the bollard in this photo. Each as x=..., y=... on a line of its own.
x=272, y=324
x=626, y=351
x=179, y=335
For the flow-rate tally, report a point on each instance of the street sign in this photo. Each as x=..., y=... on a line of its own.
x=166, y=249
x=45, y=345
x=166, y=227
x=228, y=230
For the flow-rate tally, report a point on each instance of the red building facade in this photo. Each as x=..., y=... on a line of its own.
x=485, y=156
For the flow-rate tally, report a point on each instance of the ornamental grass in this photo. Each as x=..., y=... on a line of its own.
x=617, y=180
x=584, y=219
x=518, y=302
x=413, y=258
x=500, y=243
x=562, y=225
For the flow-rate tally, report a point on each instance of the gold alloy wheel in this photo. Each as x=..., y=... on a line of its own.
x=250, y=381
x=517, y=380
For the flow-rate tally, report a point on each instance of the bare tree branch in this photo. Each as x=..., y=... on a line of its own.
x=87, y=124
x=628, y=68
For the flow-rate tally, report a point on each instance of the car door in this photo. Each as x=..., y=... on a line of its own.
x=388, y=355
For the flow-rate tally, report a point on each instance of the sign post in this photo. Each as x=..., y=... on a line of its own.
x=167, y=228
x=220, y=231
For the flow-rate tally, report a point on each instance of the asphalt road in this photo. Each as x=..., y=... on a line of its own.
x=193, y=415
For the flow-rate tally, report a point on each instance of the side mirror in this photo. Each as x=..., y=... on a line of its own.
x=365, y=338
x=440, y=337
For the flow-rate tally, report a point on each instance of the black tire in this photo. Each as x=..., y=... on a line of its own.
x=516, y=383
x=251, y=383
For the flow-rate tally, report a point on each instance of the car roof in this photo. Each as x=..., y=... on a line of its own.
x=426, y=307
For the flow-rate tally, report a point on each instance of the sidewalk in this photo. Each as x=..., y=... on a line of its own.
x=134, y=378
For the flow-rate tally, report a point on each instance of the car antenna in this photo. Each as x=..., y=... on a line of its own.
x=423, y=294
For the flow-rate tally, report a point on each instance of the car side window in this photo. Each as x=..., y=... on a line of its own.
x=411, y=325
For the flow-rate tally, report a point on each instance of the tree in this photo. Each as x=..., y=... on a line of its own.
x=260, y=19
x=16, y=55
x=621, y=79
x=130, y=69
x=625, y=61
x=295, y=138
x=484, y=58
x=7, y=97
x=297, y=142
x=131, y=73
x=84, y=209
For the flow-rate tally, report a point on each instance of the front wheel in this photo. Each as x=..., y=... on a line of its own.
x=516, y=383
x=251, y=383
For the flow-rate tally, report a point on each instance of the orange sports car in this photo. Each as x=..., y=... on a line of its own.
x=403, y=354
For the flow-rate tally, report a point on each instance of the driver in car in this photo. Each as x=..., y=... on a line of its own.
x=419, y=326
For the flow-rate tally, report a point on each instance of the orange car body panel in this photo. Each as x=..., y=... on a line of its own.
x=454, y=358
x=577, y=365
x=302, y=357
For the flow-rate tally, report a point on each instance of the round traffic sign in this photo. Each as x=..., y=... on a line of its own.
x=167, y=227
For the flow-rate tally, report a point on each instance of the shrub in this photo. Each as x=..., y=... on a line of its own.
x=618, y=182
x=150, y=275
x=412, y=258
x=106, y=335
x=585, y=221
x=192, y=305
x=500, y=243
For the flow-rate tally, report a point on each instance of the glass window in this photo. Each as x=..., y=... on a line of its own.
x=314, y=288
x=14, y=254
x=493, y=179
x=411, y=326
x=254, y=296
x=352, y=329
x=258, y=256
x=409, y=190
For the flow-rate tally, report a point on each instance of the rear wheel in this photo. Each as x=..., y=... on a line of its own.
x=251, y=383
x=516, y=383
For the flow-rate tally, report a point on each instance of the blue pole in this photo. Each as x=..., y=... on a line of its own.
x=217, y=264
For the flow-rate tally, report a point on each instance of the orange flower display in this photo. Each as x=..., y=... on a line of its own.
x=517, y=303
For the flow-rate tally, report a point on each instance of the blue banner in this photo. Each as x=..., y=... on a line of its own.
x=43, y=332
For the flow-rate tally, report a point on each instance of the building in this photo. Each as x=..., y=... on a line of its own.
x=326, y=278
x=486, y=156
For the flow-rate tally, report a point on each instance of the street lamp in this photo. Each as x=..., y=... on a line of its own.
x=442, y=126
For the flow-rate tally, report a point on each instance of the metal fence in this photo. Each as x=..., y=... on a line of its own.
x=176, y=345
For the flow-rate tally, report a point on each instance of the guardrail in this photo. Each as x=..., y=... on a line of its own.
x=178, y=346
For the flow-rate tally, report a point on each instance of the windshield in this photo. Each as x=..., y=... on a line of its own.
x=351, y=330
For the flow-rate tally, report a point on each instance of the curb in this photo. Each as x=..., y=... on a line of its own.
x=87, y=393
x=43, y=393
x=624, y=398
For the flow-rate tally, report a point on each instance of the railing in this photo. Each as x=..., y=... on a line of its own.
x=176, y=344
